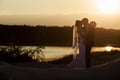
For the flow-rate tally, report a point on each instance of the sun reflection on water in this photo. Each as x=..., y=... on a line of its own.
x=108, y=48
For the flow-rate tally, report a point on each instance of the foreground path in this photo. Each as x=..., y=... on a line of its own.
x=109, y=71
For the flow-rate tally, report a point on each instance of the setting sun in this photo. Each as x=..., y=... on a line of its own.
x=107, y=6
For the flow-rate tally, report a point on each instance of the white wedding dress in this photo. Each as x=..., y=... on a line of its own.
x=79, y=60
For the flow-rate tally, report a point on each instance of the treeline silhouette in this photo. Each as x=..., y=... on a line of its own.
x=27, y=35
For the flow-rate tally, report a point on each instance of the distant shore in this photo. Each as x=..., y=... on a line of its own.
x=52, y=35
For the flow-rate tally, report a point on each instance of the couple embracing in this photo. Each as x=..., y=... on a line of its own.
x=83, y=39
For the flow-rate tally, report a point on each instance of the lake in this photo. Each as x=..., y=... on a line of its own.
x=57, y=52
x=51, y=52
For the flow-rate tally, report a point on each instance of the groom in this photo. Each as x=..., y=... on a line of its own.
x=89, y=30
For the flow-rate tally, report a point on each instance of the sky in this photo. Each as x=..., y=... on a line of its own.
x=60, y=12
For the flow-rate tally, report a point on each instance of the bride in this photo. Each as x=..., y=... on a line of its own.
x=78, y=43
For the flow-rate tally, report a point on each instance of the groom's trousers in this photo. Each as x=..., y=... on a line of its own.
x=88, y=57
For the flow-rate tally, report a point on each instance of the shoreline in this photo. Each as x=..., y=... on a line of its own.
x=97, y=58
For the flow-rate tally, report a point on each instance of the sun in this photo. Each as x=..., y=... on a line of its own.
x=107, y=6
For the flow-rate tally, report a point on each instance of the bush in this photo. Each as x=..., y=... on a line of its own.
x=13, y=54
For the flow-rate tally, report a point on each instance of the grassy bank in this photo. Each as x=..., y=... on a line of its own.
x=97, y=58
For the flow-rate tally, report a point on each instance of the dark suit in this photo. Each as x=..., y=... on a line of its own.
x=90, y=32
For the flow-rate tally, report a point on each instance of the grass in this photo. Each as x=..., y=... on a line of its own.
x=97, y=58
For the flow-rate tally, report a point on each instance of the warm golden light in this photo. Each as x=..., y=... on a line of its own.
x=107, y=6
x=108, y=48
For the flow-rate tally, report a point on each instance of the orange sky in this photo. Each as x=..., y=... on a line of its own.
x=60, y=12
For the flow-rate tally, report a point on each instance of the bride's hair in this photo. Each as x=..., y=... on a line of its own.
x=78, y=24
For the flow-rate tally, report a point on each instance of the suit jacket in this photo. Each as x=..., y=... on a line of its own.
x=90, y=34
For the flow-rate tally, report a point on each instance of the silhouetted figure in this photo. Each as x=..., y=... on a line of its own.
x=90, y=33
x=78, y=39
x=85, y=23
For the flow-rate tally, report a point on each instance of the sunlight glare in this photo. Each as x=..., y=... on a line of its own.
x=107, y=6
x=108, y=48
